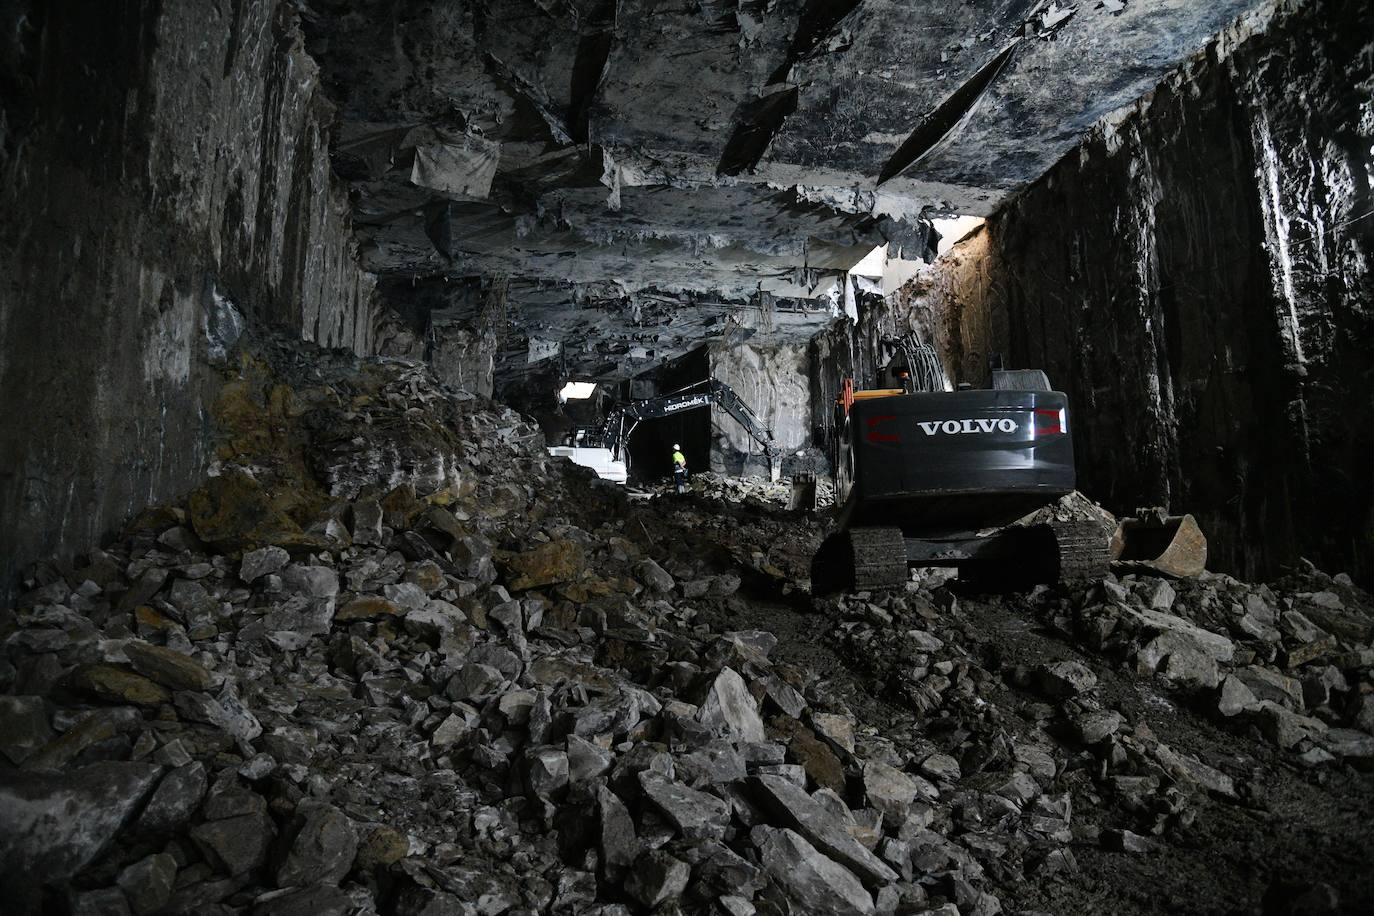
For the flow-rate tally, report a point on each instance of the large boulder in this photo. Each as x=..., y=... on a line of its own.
x=57, y=824
x=322, y=849
x=815, y=882
x=730, y=709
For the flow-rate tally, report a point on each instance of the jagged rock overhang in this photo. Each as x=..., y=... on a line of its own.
x=705, y=149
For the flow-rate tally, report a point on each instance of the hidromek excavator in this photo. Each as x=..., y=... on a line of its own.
x=927, y=476
x=604, y=448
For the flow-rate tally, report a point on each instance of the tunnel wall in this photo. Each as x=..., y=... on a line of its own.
x=164, y=170
x=1197, y=277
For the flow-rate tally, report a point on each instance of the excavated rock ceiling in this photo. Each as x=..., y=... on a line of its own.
x=600, y=151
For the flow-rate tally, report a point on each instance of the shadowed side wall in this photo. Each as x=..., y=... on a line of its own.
x=165, y=176
x=1197, y=277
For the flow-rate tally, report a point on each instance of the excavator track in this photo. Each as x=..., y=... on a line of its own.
x=879, y=556
x=1084, y=551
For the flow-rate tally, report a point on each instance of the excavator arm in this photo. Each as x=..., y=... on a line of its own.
x=623, y=419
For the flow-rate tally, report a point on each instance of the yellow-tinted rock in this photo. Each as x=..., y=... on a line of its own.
x=428, y=576
x=382, y=847
x=118, y=685
x=367, y=607
x=150, y=619
x=158, y=518
x=547, y=564
x=234, y=512
x=167, y=667
x=400, y=507
x=57, y=753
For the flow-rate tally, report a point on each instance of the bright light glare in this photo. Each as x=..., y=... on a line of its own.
x=577, y=391
x=872, y=263
x=953, y=229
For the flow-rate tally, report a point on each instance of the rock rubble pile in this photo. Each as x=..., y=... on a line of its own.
x=394, y=659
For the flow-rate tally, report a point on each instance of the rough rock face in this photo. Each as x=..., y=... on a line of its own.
x=1197, y=277
x=165, y=175
x=772, y=380
x=611, y=156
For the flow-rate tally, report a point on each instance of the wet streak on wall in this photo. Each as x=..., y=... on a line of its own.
x=160, y=161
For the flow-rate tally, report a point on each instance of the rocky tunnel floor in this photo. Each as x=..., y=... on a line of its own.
x=394, y=659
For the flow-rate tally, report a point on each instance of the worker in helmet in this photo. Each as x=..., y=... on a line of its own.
x=679, y=470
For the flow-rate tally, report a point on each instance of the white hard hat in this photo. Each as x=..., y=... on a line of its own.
x=676, y=447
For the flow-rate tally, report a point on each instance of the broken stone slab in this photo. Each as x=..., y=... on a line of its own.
x=1097, y=725
x=716, y=762
x=310, y=581
x=586, y=760
x=696, y=815
x=58, y=823
x=816, y=757
x=654, y=576
x=784, y=696
x=619, y=843
x=147, y=884
x=1236, y=697
x=1213, y=644
x=656, y=878
x=114, y=684
x=1187, y=666
x=1348, y=743
x=472, y=681
x=236, y=845
x=730, y=709
x=1267, y=684
x=1189, y=769
x=367, y=522
x=24, y=728
x=452, y=730
x=889, y=789
x=789, y=806
x=262, y=562
x=836, y=729
x=1297, y=656
x=225, y=711
x=1127, y=841
x=368, y=607
x=428, y=576
x=1037, y=760
x=167, y=667
x=942, y=767
x=1062, y=680
x=382, y=847
x=815, y=882
x=1285, y=727
x=177, y=796
x=546, y=771
x=1297, y=626
x=322, y=846
x=547, y=564
x=406, y=595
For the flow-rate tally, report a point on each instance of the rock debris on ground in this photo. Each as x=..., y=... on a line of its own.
x=395, y=659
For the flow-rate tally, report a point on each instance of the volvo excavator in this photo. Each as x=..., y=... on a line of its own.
x=607, y=445
x=929, y=476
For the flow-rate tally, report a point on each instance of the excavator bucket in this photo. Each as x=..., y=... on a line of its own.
x=1172, y=545
x=803, y=492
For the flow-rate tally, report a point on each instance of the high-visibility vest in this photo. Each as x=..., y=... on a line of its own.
x=679, y=460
